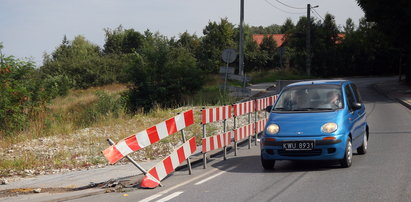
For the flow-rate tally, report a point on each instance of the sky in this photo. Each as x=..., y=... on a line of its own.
x=30, y=28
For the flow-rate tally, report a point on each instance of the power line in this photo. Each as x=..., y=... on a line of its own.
x=282, y=9
x=289, y=5
x=317, y=14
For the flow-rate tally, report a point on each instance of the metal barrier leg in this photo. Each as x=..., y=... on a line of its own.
x=188, y=159
x=255, y=127
x=110, y=142
x=204, y=154
x=235, y=148
x=249, y=135
x=235, y=142
x=224, y=131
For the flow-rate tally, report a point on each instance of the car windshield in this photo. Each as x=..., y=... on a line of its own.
x=310, y=98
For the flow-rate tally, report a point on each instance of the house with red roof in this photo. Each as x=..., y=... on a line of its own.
x=281, y=38
x=278, y=38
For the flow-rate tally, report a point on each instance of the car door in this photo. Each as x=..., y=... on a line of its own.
x=360, y=125
x=353, y=116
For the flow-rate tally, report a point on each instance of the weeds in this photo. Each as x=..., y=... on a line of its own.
x=274, y=75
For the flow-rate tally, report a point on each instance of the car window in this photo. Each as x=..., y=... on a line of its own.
x=350, y=98
x=310, y=98
x=356, y=93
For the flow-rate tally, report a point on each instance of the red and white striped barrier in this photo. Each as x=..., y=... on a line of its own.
x=243, y=108
x=216, y=114
x=216, y=142
x=243, y=132
x=169, y=164
x=260, y=125
x=149, y=136
x=261, y=104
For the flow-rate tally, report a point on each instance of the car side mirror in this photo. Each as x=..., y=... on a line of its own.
x=357, y=106
x=269, y=108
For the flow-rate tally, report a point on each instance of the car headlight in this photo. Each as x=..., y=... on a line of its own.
x=273, y=129
x=329, y=128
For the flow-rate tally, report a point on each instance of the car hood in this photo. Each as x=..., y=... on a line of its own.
x=302, y=124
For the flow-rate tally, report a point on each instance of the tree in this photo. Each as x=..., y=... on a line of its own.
x=287, y=27
x=120, y=41
x=268, y=50
x=162, y=75
x=349, y=26
x=393, y=19
x=217, y=37
x=81, y=62
x=21, y=93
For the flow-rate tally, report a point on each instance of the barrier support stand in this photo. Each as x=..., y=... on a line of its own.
x=110, y=142
x=255, y=127
x=249, y=137
x=225, y=146
x=235, y=142
x=188, y=159
x=204, y=136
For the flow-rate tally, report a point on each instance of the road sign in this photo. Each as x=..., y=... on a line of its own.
x=229, y=55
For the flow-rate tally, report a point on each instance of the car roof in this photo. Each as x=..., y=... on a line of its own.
x=318, y=82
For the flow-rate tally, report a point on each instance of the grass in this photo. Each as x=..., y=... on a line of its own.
x=211, y=93
x=274, y=75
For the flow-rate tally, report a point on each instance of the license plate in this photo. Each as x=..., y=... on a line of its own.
x=298, y=146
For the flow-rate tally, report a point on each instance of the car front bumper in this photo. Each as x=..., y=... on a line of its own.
x=323, y=149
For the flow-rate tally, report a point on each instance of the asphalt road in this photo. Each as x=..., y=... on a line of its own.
x=383, y=174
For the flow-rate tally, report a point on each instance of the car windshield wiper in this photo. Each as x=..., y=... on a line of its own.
x=313, y=108
x=302, y=109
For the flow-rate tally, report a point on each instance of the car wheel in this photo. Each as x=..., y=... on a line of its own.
x=363, y=148
x=347, y=160
x=267, y=164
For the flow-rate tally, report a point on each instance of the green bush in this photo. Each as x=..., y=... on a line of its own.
x=162, y=76
x=17, y=94
x=105, y=106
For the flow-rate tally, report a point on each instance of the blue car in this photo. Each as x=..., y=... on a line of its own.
x=315, y=120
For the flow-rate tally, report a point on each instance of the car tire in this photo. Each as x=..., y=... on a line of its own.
x=347, y=160
x=363, y=148
x=267, y=164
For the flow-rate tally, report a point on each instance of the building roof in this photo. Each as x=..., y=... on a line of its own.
x=278, y=38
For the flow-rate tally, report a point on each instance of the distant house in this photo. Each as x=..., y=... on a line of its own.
x=281, y=40
x=278, y=38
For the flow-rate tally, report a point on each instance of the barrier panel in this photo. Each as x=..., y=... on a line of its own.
x=216, y=114
x=213, y=115
x=242, y=109
x=260, y=125
x=167, y=165
x=216, y=142
x=243, y=132
x=262, y=104
x=150, y=136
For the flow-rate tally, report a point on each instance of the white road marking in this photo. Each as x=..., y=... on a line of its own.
x=216, y=175
x=171, y=196
x=150, y=198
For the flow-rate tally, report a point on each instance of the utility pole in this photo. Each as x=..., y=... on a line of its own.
x=308, y=42
x=241, y=54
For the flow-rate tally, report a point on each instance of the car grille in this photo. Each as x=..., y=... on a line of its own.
x=314, y=152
